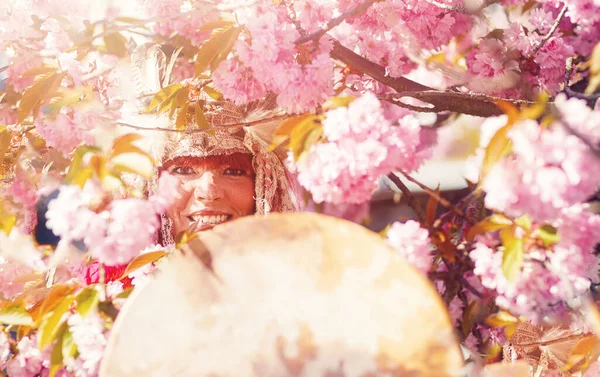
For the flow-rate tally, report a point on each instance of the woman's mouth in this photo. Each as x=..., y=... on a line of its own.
x=202, y=219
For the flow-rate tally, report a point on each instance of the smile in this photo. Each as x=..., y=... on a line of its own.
x=209, y=219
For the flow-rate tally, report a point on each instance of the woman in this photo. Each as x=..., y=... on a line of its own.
x=227, y=175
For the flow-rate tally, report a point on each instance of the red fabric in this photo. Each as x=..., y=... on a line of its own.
x=112, y=273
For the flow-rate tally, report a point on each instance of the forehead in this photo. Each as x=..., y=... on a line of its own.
x=234, y=160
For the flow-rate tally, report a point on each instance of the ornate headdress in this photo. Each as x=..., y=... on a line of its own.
x=234, y=129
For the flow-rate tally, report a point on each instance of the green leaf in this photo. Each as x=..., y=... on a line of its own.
x=56, y=356
x=126, y=293
x=50, y=323
x=489, y=224
x=548, y=235
x=216, y=49
x=201, y=121
x=69, y=347
x=164, y=97
x=335, y=102
x=513, y=255
x=116, y=44
x=15, y=315
x=87, y=300
x=524, y=222
x=78, y=173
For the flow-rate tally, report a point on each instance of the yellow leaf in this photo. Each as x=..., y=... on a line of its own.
x=216, y=49
x=212, y=92
x=536, y=110
x=223, y=23
x=87, y=300
x=282, y=133
x=513, y=254
x=436, y=58
x=594, y=63
x=181, y=121
x=142, y=260
x=201, y=122
x=164, y=97
x=39, y=71
x=116, y=44
x=180, y=100
x=133, y=163
x=128, y=20
x=304, y=135
x=15, y=315
x=499, y=146
x=32, y=97
x=489, y=224
x=501, y=319
x=50, y=323
x=335, y=102
x=583, y=350
x=124, y=144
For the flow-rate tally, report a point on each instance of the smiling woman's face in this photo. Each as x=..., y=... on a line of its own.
x=213, y=190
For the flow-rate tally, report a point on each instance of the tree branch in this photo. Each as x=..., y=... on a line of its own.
x=552, y=30
x=197, y=130
x=466, y=103
x=441, y=200
x=412, y=201
x=570, y=92
x=315, y=36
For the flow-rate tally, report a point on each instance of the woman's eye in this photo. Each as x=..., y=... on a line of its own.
x=234, y=172
x=182, y=170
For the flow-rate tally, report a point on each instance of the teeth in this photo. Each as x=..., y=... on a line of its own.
x=210, y=219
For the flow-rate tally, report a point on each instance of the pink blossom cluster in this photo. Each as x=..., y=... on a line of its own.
x=113, y=235
x=413, y=244
x=549, y=277
x=269, y=60
x=362, y=145
x=182, y=17
x=549, y=169
x=30, y=361
x=90, y=335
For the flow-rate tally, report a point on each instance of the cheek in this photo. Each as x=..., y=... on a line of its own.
x=241, y=195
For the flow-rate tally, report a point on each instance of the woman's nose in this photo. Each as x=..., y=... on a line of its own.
x=206, y=187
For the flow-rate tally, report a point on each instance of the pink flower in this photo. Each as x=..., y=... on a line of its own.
x=23, y=192
x=166, y=193
x=64, y=132
x=550, y=169
x=4, y=350
x=114, y=235
x=237, y=82
x=580, y=117
x=89, y=335
x=29, y=361
x=455, y=309
x=412, y=243
x=362, y=146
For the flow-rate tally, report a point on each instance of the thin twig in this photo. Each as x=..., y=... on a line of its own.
x=196, y=130
x=315, y=36
x=441, y=200
x=4, y=68
x=471, y=288
x=548, y=35
x=412, y=201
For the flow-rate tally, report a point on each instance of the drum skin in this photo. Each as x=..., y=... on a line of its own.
x=293, y=294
